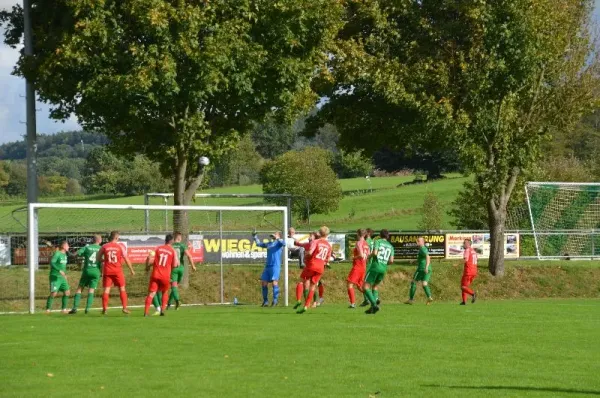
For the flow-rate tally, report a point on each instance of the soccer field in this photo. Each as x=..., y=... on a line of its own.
x=498, y=348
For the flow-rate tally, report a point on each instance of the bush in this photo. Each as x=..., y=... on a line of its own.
x=469, y=209
x=352, y=164
x=241, y=167
x=307, y=174
x=431, y=213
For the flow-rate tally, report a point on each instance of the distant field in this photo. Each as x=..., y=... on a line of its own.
x=536, y=348
x=388, y=206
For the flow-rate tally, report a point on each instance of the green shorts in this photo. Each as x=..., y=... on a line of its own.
x=421, y=276
x=177, y=275
x=58, y=284
x=89, y=280
x=374, y=278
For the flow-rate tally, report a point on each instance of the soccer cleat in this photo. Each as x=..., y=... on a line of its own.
x=375, y=309
x=297, y=305
x=462, y=303
x=73, y=311
x=177, y=304
x=274, y=303
x=429, y=301
x=64, y=311
x=103, y=312
x=369, y=311
x=321, y=301
x=265, y=304
x=126, y=311
x=352, y=306
x=157, y=313
x=86, y=311
x=168, y=306
x=47, y=311
x=364, y=303
x=409, y=302
x=314, y=305
x=474, y=298
x=301, y=310
x=162, y=314
x=378, y=301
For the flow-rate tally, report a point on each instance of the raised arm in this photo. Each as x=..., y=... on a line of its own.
x=259, y=243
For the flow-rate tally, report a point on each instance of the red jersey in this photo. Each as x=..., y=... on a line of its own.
x=321, y=252
x=113, y=258
x=470, y=257
x=360, y=262
x=164, y=261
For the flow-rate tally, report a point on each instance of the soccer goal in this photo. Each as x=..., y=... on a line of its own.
x=565, y=219
x=226, y=243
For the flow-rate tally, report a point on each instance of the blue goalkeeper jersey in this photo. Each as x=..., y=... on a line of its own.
x=274, y=251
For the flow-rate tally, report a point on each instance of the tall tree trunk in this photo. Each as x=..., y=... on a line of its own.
x=497, y=219
x=180, y=217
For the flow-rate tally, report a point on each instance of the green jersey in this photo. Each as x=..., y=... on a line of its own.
x=90, y=257
x=57, y=264
x=180, y=249
x=385, y=251
x=422, y=258
x=370, y=242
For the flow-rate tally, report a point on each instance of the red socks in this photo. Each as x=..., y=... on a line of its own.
x=147, y=304
x=123, y=298
x=321, y=290
x=309, y=299
x=351, y=295
x=466, y=291
x=299, y=291
x=105, y=301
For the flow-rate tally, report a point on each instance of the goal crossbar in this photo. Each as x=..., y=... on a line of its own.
x=33, y=232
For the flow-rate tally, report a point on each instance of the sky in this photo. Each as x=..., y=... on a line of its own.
x=12, y=91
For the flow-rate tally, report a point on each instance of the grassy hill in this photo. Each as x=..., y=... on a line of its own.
x=382, y=202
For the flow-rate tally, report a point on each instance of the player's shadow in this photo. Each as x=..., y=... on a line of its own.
x=520, y=388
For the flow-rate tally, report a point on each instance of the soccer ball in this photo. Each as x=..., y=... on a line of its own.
x=204, y=161
x=151, y=253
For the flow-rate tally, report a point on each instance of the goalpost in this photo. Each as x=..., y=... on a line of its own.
x=77, y=223
x=565, y=219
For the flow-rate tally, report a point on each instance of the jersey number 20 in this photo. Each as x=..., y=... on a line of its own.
x=384, y=254
x=322, y=254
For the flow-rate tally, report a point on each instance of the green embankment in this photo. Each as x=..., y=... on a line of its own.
x=523, y=280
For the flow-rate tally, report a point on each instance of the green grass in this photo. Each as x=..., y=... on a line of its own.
x=493, y=348
x=390, y=205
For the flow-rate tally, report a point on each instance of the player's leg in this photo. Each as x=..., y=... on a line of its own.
x=309, y=285
x=152, y=288
x=265, y=279
x=426, y=287
x=321, y=288
x=107, y=283
x=466, y=290
x=299, y=292
x=315, y=300
x=275, y=281
x=413, y=288
x=77, y=296
x=53, y=291
x=351, y=295
x=367, y=287
x=122, y=293
x=65, y=299
x=164, y=287
x=92, y=284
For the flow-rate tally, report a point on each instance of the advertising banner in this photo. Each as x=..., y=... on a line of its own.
x=405, y=245
x=138, y=246
x=481, y=243
x=5, y=251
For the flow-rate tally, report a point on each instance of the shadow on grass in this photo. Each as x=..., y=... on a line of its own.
x=520, y=388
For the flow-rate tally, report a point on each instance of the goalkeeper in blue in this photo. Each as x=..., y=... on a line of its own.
x=275, y=248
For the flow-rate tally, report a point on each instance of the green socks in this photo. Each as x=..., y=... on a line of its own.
x=316, y=295
x=174, y=294
x=89, y=302
x=156, y=301
x=65, y=301
x=413, y=290
x=49, y=302
x=305, y=294
x=371, y=297
x=427, y=291
x=376, y=294
x=76, y=300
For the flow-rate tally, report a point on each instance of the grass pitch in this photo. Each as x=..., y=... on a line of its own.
x=497, y=348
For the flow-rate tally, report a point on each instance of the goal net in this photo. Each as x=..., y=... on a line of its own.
x=218, y=238
x=565, y=218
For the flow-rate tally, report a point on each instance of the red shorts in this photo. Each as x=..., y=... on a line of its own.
x=159, y=285
x=467, y=280
x=311, y=275
x=113, y=280
x=357, y=276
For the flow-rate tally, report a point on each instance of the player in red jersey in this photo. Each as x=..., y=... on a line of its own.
x=319, y=253
x=112, y=256
x=469, y=273
x=164, y=260
x=359, y=266
x=300, y=286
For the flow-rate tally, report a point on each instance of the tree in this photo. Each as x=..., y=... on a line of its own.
x=4, y=176
x=272, y=138
x=352, y=164
x=241, y=167
x=487, y=80
x=176, y=80
x=306, y=174
x=17, y=179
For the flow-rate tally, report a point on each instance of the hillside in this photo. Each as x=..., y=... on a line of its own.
x=389, y=205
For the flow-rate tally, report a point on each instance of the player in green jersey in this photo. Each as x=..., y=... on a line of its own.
x=423, y=273
x=382, y=255
x=90, y=275
x=182, y=251
x=370, y=243
x=58, y=277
